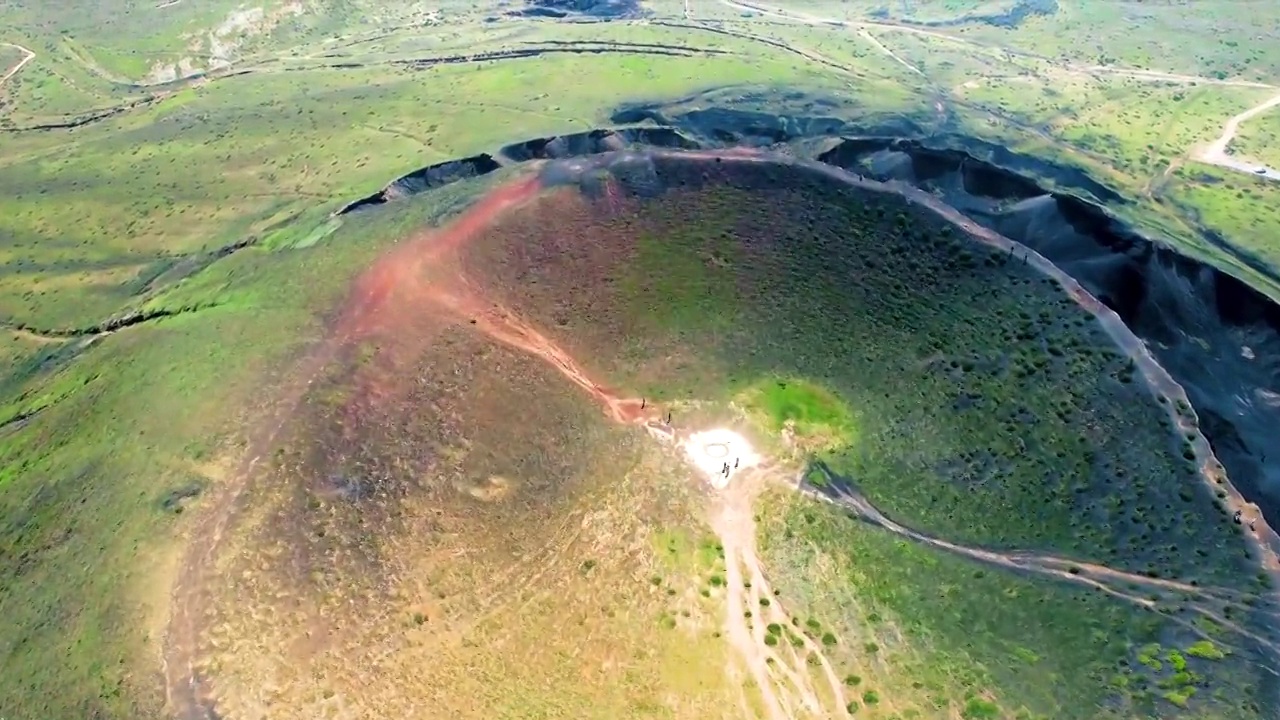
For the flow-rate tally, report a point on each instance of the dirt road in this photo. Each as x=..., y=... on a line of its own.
x=780, y=670
x=28, y=56
x=1207, y=602
x=1216, y=152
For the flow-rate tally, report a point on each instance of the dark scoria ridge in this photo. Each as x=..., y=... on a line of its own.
x=600, y=9
x=563, y=146
x=423, y=179
x=1010, y=18
x=1217, y=336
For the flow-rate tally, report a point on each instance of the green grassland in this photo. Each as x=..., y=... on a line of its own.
x=87, y=539
x=9, y=57
x=266, y=153
x=98, y=430
x=938, y=631
x=807, y=410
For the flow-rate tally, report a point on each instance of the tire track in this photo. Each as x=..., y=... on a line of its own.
x=1061, y=569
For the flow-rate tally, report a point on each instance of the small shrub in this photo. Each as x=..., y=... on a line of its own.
x=1205, y=649
x=979, y=709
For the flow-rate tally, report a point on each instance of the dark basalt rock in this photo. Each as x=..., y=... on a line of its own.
x=723, y=126
x=606, y=9
x=1011, y=18
x=595, y=141
x=423, y=179
x=1019, y=13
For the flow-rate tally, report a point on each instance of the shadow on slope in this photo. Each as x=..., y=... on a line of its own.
x=1216, y=335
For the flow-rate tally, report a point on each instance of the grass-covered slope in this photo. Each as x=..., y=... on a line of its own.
x=976, y=403
x=958, y=363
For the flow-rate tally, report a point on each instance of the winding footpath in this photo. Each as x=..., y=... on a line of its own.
x=1204, y=601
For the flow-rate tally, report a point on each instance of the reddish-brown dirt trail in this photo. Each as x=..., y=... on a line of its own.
x=504, y=326
x=396, y=286
x=420, y=278
x=396, y=304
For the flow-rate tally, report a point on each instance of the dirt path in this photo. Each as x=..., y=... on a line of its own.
x=26, y=335
x=792, y=48
x=866, y=35
x=1204, y=601
x=28, y=56
x=1216, y=152
x=807, y=19
x=780, y=671
x=91, y=66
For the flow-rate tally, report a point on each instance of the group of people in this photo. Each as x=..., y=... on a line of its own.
x=726, y=469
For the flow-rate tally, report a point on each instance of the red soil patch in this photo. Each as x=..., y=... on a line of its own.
x=399, y=303
x=418, y=284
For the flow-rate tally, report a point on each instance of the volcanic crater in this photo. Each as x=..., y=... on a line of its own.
x=486, y=389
